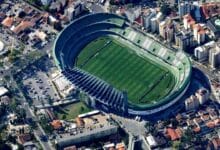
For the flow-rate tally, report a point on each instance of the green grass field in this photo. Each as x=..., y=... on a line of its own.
x=144, y=81
x=72, y=111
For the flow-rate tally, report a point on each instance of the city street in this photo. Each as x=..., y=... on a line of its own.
x=29, y=113
x=130, y=125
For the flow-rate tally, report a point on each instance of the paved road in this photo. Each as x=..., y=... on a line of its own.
x=130, y=125
x=29, y=113
x=38, y=131
x=205, y=70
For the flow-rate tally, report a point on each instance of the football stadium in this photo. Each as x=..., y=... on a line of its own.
x=120, y=68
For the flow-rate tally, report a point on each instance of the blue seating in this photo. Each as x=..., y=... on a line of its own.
x=95, y=87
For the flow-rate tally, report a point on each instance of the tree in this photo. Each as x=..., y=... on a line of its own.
x=2, y=110
x=149, y=126
x=82, y=109
x=50, y=101
x=20, y=147
x=13, y=105
x=4, y=146
x=174, y=123
x=165, y=9
x=21, y=113
x=64, y=117
x=46, y=126
x=187, y=136
x=58, y=26
x=177, y=145
x=7, y=77
x=11, y=139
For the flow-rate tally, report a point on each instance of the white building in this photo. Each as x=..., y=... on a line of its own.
x=45, y=2
x=74, y=10
x=162, y=27
x=64, y=86
x=147, y=18
x=191, y=103
x=199, y=33
x=133, y=13
x=202, y=95
x=70, y=13
x=3, y=91
x=79, y=7
x=216, y=91
x=185, y=8
x=214, y=56
x=3, y=50
x=202, y=52
x=188, y=21
x=184, y=39
x=155, y=22
x=151, y=141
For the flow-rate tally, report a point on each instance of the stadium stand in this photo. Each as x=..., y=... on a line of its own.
x=87, y=28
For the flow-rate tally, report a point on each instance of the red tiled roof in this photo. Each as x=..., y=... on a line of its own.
x=24, y=138
x=200, y=30
x=217, y=121
x=70, y=148
x=22, y=26
x=210, y=9
x=174, y=134
x=197, y=129
x=57, y=124
x=8, y=21
x=79, y=122
x=210, y=124
x=120, y=146
x=216, y=143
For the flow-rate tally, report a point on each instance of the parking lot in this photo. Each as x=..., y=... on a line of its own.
x=40, y=89
x=36, y=83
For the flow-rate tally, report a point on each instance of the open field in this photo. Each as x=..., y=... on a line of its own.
x=144, y=81
x=72, y=111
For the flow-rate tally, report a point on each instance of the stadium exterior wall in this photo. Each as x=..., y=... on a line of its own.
x=134, y=109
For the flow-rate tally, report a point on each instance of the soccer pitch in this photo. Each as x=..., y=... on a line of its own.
x=144, y=81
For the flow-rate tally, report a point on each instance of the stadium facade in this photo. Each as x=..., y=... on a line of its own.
x=102, y=95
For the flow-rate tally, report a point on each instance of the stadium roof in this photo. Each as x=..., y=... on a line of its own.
x=90, y=27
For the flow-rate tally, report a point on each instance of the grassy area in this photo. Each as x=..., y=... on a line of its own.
x=143, y=80
x=72, y=111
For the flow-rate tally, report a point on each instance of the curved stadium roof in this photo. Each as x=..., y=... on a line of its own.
x=88, y=28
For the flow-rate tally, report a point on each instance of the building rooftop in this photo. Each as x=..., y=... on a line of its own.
x=3, y=91
x=210, y=9
x=57, y=124
x=216, y=143
x=1, y=46
x=8, y=21
x=174, y=134
x=22, y=26
x=213, y=24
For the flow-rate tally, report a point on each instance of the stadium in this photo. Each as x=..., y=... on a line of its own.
x=120, y=68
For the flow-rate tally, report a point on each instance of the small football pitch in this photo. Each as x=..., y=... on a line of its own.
x=144, y=81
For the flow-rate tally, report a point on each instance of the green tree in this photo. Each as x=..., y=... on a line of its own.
x=165, y=9
x=82, y=109
x=64, y=117
x=187, y=136
x=176, y=145
x=3, y=110
x=21, y=113
x=149, y=126
x=46, y=126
